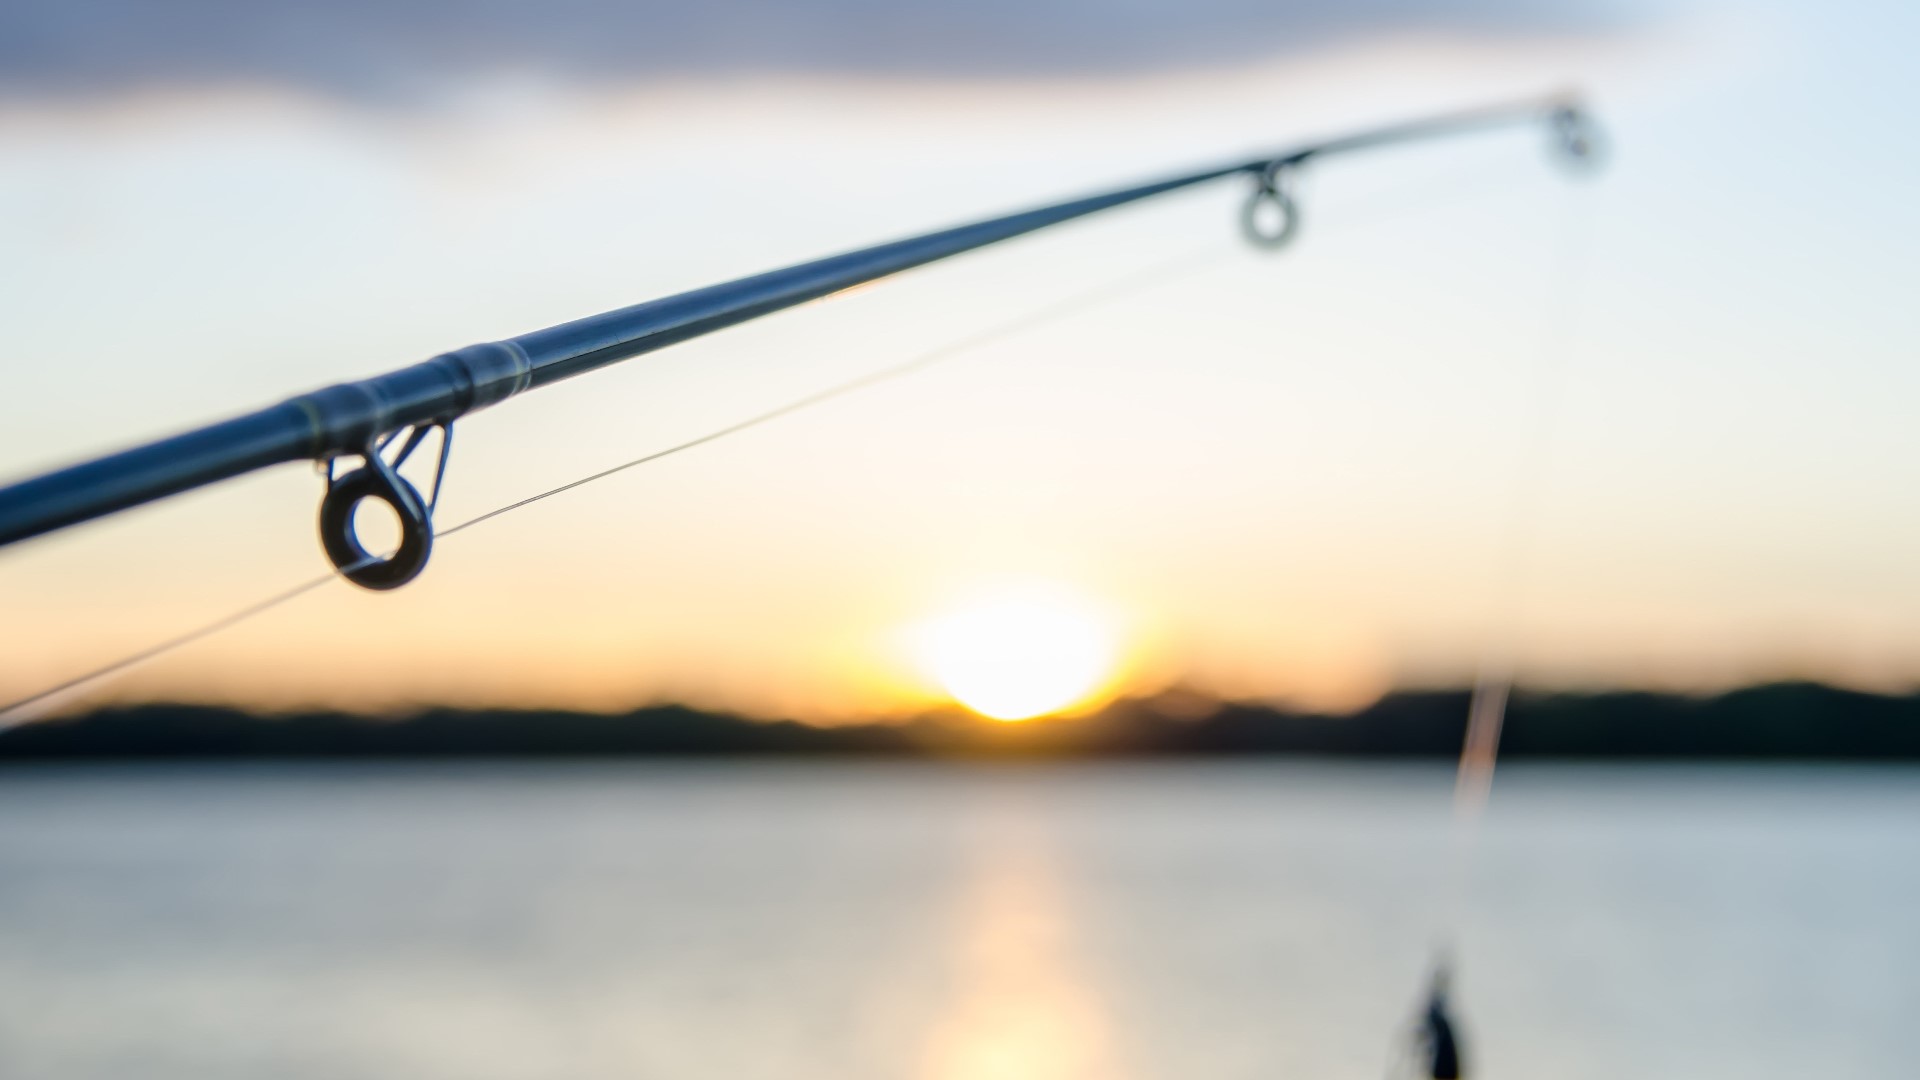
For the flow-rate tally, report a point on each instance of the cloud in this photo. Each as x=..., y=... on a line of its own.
x=400, y=51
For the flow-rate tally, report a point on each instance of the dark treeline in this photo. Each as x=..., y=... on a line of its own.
x=1783, y=721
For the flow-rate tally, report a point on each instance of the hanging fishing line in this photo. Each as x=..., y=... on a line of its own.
x=1434, y=1046
x=1161, y=273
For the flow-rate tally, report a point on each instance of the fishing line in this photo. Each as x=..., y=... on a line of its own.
x=1494, y=679
x=15, y=712
x=1434, y=1041
x=1170, y=270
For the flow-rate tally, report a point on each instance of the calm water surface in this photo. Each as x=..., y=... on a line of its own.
x=840, y=922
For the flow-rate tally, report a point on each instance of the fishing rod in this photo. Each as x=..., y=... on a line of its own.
x=366, y=418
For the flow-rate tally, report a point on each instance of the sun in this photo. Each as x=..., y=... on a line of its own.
x=1019, y=653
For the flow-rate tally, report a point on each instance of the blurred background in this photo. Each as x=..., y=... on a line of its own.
x=1641, y=436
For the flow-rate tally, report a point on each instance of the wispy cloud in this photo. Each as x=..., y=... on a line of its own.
x=401, y=51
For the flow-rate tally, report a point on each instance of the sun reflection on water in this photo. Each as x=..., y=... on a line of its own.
x=1023, y=1008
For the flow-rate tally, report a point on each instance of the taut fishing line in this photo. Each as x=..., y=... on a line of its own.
x=28, y=707
x=35, y=704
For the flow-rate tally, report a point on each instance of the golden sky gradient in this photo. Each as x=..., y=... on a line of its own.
x=1629, y=419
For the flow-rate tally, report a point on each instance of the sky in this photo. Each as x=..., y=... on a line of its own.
x=1648, y=427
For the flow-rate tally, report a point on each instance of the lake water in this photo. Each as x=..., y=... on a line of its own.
x=850, y=921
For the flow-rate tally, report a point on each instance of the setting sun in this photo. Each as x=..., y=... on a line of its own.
x=1020, y=654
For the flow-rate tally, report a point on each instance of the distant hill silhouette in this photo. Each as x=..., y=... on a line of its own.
x=1781, y=721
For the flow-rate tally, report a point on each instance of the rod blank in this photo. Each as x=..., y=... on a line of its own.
x=351, y=418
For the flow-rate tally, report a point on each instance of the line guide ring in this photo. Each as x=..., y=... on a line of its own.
x=1273, y=189
x=380, y=479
